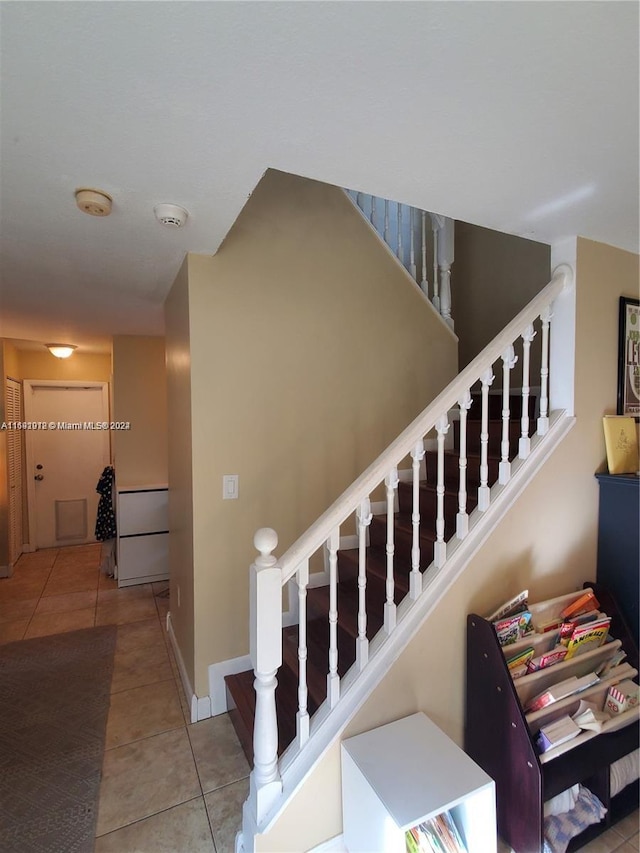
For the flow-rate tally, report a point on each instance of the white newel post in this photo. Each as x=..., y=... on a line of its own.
x=563, y=331
x=265, y=784
x=446, y=256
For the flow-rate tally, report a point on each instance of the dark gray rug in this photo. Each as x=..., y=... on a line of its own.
x=54, y=701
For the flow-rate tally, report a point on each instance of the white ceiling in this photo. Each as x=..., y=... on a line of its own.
x=519, y=116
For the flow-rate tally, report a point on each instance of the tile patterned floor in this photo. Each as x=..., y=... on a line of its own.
x=168, y=786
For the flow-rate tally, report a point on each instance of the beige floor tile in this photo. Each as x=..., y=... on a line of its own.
x=142, y=712
x=219, y=756
x=44, y=624
x=126, y=593
x=77, y=583
x=627, y=847
x=12, y=631
x=106, y=582
x=177, y=830
x=139, y=635
x=136, y=667
x=628, y=826
x=12, y=610
x=119, y=612
x=36, y=559
x=70, y=601
x=145, y=777
x=21, y=591
x=225, y=813
x=159, y=586
x=605, y=843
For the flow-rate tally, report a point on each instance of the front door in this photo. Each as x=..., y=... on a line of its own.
x=67, y=449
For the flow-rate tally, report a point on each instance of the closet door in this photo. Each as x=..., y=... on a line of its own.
x=15, y=441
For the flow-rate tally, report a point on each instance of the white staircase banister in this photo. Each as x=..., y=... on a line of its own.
x=318, y=533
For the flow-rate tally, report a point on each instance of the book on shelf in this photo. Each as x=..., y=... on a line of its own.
x=557, y=732
x=562, y=689
x=611, y=663
x=589, y=716
x=514, y=605
x=437, y=835
x=556, y=655
x=517, y=664
x=583, y=604
x=621, y=697
x=586, y=637
x=621, y=442
x=512, y=628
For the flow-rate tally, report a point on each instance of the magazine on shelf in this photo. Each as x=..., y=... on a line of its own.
x=558, y=691
x=512, y=628
x=437, y=835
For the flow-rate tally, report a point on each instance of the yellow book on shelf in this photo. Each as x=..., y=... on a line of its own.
x=621, y=441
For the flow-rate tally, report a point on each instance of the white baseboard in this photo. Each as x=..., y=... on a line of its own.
x=217, y=689
x=200, y=706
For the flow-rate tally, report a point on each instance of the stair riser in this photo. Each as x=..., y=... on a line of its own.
x=495, y=437
x=495, y=407
x=403, y=543
x=452, y=471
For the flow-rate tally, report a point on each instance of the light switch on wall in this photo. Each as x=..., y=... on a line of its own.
x=229, y=487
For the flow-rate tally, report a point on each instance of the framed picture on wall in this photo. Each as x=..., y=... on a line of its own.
x=629, y=358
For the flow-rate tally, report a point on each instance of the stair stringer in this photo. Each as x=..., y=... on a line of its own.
x=327, y=725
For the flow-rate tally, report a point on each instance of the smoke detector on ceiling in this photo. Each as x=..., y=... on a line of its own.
x=93, y=202
x=171, y=215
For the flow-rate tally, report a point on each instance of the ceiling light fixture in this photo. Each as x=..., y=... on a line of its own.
x=93, y=202
x=171, y=215
x=60, y=350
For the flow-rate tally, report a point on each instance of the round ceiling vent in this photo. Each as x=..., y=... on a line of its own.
x=93, y=202
x=171, y=215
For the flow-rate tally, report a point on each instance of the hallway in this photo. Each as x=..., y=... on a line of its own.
x=167, y=785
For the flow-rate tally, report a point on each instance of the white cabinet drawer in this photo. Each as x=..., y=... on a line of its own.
x=143, y=557
x=143, y=512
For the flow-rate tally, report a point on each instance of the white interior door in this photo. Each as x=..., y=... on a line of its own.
x=65, y=457
x=13, y=398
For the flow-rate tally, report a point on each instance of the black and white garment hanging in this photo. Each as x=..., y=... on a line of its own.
x=106, y=519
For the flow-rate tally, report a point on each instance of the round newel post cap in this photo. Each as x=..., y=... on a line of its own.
x=265, y=540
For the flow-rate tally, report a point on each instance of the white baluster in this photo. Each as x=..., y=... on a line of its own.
x=424, y=284
x=484, y=492
x=302, y=717
x=412, y=244
x=399, y=250
x=374, y=216
x=462, y=518
x=509, y=359
x=415, y=578
x=524, y=445
x=436, y=290
x=445, y=255
x=543, y=420
x=333, y=679
x=360, y=201
x=265, y=592
x=440, y=546
x=391, y=484
x=386, y=221
x=364, y=516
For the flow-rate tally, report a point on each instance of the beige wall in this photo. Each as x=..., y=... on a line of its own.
x=79, y=366
x=178, y=367
x=140, y=399
x=547, y=542
x=310, y=351
x=494, y=276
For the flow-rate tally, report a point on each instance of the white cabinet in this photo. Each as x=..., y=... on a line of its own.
x=399, y=775
x=143, y=534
